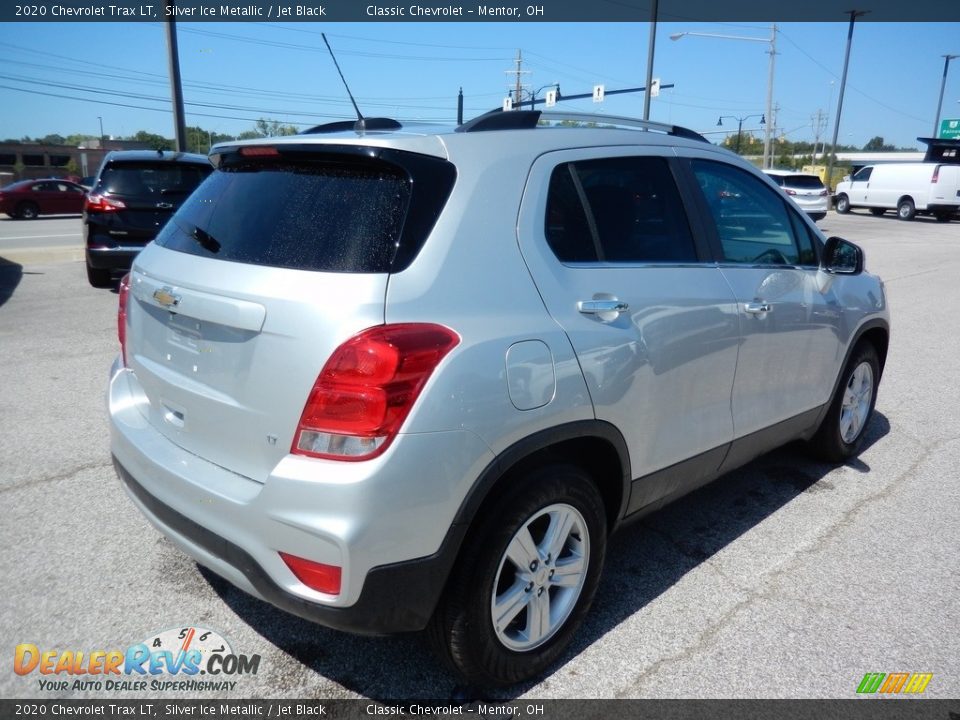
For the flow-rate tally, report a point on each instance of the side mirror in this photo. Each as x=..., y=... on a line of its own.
x=842, y=257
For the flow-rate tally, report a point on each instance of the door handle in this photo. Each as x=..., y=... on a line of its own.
x=595, y=307
x=757, y=308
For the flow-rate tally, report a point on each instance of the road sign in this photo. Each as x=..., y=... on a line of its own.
x=551, y=98
x=598, y=93
x=950, y=129
x=655, y=87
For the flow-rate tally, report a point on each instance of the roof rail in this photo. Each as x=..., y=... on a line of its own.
x=525, y=119
x=360, y=126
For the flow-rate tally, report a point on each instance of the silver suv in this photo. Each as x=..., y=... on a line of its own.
x=406, y=379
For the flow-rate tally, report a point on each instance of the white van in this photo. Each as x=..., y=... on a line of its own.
x=908, y=188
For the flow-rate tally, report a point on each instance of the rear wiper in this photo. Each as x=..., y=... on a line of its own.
x=206, y=240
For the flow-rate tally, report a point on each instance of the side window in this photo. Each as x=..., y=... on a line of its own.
x=752, y=220
x=617, y=210
x=863, y=174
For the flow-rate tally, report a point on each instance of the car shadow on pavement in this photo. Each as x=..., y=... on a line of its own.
x=10, y=276
x=644, y=560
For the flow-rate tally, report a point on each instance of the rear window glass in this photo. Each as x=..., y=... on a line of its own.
x=324, y=216
x=803, y=182
x=138, y=179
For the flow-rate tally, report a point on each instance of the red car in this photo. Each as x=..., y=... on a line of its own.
x=29, y=198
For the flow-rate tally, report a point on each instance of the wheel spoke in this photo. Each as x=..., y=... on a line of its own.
x=508, y=605
x=568, y=572
x=538, y=617
x=522, y=550
x=561, y=523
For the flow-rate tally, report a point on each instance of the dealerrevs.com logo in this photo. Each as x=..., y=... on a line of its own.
x=894, y=683
x=171, y=660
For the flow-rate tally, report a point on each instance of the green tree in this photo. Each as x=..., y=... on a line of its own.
x=156, y=142
x=53, y=139
x=876, y=144
x=272, y=128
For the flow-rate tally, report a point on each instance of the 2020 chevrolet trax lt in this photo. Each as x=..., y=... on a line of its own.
x=411, y=379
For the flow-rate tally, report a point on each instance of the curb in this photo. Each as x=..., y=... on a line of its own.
x=41, y=255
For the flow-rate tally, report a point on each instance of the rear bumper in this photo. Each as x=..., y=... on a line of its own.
x=396, y=598
x=388, y=523
x=112, y=258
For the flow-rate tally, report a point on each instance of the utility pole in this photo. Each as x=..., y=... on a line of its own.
x=519, y=72
x=176, y=89
x=767, y=159
x=818, y=122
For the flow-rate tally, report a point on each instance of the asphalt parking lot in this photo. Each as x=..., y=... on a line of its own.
x=786, y=579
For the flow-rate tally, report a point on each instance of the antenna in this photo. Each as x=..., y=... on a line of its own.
x=360, y=127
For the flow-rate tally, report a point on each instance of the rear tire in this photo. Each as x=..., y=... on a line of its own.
x=843, y=204
x=906, y=210
x=99, y=278
x=840, y=436
x=524, y=580
x=27, y=211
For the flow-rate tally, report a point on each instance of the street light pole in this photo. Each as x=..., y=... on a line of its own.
x=773, y=54
x=943, y=85
x=101, y=129
x=651, y=43
x=763, y=121
x=854, y=14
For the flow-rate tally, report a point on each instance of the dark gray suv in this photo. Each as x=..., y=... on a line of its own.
x=134, y=194
x=411, y=379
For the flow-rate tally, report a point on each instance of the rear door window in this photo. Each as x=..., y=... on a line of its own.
x=617, y=210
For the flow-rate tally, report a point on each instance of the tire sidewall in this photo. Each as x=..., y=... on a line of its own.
x=27, y=211
x=843, y=204
x=550, y=485
x=865, y=354
x=906, y=210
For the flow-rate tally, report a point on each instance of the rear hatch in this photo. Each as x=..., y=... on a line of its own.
x=146, y=195
x=279, y=257
x=804, y=187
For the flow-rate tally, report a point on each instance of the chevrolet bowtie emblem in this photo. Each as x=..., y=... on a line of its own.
x=165, y=297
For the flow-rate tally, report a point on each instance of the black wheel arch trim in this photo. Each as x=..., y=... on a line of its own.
x=869, y=325
x=542, y=441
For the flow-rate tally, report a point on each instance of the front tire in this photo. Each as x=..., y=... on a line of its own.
x=843, y=204
x=841, y=434
x=524, y=580
x=28, y=211
x=906, y=210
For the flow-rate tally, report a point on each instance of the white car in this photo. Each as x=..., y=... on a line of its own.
x=806, y=190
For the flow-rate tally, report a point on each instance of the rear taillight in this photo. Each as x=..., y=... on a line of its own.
x=936, y=175
x=823, y=193
x=788, y=191
x=318, y=576
x=124, y=294
x=366, y=389
x=101, y=203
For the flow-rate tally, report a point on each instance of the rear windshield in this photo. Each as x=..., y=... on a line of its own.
x=167, y=178
x=325, y=215
x=804, y=182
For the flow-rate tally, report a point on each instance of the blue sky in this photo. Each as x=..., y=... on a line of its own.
x=238, y=72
